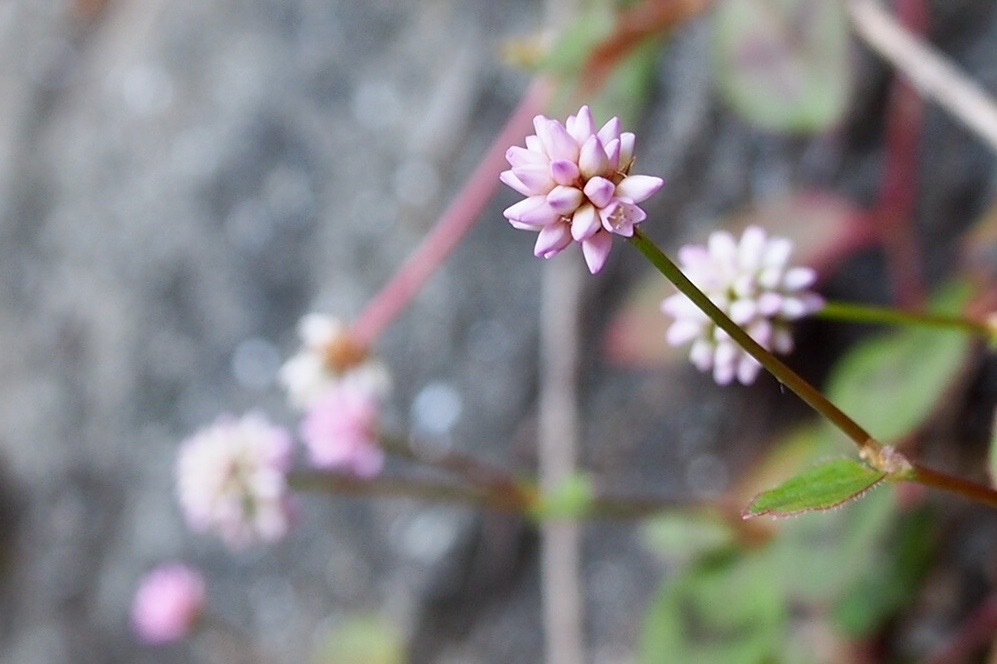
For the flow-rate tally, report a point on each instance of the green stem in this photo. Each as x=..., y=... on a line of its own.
x=776, y=367
x=879, y=456
x=400, y=487
x=861, y=313
x=433, y=491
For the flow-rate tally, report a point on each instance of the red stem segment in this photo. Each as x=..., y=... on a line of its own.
x=898, y=191
x=453, y=225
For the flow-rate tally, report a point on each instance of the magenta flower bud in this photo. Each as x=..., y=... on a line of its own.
x=559, y=164
x=168, y=603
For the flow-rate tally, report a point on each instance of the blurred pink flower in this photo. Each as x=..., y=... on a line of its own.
x=752, y=282
x=340, y=431
x=578, y=186
x=231, y=478
x=168, y=603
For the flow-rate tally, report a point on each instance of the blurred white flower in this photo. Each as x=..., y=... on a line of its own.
x=328, y=357
x=231, y=478
x=751, y=281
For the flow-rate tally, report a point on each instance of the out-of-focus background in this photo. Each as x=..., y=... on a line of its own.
x=180, y=181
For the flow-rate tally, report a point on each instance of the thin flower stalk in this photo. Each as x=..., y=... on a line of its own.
x=458, y=218
x=861, y=313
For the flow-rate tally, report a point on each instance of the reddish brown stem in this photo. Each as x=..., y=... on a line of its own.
x=453, y=225
x=898, y=191
x=939, y=480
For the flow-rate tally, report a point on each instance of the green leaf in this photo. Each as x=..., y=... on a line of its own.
x=891, y=383
x=571, y=499
x=890, y=581
x=360, y=639
x=820, y=488
x=784, y=64
x=682, y=536
x=626, y=90
x=724, y=610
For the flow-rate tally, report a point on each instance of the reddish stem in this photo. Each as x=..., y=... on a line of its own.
x=453, y=225
x=898, y=192
x=980, y=493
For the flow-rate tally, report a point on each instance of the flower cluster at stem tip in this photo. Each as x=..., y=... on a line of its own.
x=232, y=475
x=168, y=603
x=578, y=186
x=231, y=479
x=752, y=282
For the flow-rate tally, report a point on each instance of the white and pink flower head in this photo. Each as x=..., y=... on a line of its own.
x=168, y=604
x=578, y=186
x=232, y=479
x=329, y=356
x=751, y=281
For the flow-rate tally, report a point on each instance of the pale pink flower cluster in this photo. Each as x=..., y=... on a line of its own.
x=340, y=388
x=168, y=603
x=340, y=431
x=578, y=187
x=232, y=479
x=329, y=357
x=752, y=282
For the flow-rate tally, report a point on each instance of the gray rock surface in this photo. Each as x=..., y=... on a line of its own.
x=180, y=181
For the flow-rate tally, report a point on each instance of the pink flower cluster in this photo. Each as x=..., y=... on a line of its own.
x=340, y=431
x=232, y=479
x=168, y=603
x=578, y=186
x=751, y=281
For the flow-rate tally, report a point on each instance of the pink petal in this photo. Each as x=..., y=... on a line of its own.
x=558, y=143
x=683, y=331
x=639, y=188
x=599, y=190
x=551, y=240
x=533, y=211
x=517, y=156
x=564, y=200
x=564, y=172
x=626, y=150
x=593, y=160
x=620, y=217
x=610, y=131
x=798, y=278
x=585, y=223
x=747, y=370
x=751, y=249
x=701, y=354
x=724, y=362
x=582, y=125
x=510, y=179
x=723, y=248
x=742, y=311
x=777, y=251
x=613, y=153
x=536, y=178
x=769, y=303
x=596, y=251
